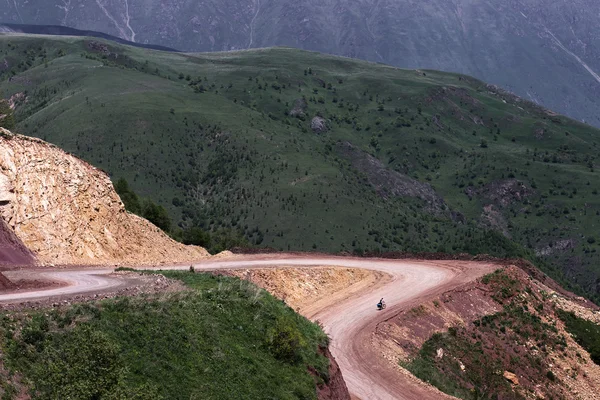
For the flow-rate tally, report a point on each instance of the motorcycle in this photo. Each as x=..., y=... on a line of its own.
x=381, y=305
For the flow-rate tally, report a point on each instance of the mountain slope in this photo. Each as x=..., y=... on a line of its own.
x=66, y=211
x=302, y=151
x=543, y=50
x=503, y=336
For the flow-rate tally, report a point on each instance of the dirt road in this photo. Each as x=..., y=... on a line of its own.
x=349, y=320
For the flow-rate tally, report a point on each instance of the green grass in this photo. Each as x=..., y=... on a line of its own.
x=585, y=333
x=221, y=153
x=479, y=381
x=223, y=339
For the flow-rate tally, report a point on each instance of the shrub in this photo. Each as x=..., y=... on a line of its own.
x=83, y=364
x=285, y=341
x=128, y=196
x=6, y=116
x=196, y=236
x=157, y=214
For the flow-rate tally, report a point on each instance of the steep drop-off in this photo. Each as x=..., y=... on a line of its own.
x=67, y=212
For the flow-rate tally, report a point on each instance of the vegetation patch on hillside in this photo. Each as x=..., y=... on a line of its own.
x=585, y=333
x=510, y=354
x=223, y=339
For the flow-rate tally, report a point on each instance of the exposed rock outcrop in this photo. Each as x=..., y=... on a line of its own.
x=512, y=378
x=67, y=211
x=318, y=125
x=389, y=183
x=502, y=193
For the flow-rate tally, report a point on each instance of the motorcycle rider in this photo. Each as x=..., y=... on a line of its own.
x=381, y=303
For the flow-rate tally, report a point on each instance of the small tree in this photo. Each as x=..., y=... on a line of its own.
x=196, y=236
x=128, y=197
x=157, y=214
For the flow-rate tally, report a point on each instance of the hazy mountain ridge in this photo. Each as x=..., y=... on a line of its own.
x=542, y=50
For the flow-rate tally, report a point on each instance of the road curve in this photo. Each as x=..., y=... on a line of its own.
x=350, y=322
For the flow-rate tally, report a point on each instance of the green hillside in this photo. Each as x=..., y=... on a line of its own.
x=396, y=160
x=222, y=339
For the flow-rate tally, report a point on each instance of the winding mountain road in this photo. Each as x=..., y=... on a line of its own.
x=349, y=319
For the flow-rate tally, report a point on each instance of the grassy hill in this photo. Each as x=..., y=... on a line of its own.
x=302, y=151
x=222, y=339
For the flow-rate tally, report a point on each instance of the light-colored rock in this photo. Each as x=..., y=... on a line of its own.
x=509, y=376
x=67, y=211
x=318, y=125
x=224, y=254
x=440, y=353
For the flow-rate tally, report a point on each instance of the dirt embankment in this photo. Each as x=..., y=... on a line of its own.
x=12, y=250
x=305, y=288
x=335, y=388
x=67, y=212
x=5, y=283
x=12, y=253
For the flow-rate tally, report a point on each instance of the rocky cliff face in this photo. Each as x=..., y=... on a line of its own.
x=67, y=212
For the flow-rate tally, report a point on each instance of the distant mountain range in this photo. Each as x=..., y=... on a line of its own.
x=58, y=30
x=543, y=50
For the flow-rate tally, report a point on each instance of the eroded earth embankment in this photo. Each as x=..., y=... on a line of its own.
x=66, y=212
x=12, y=249
x=12, y=253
